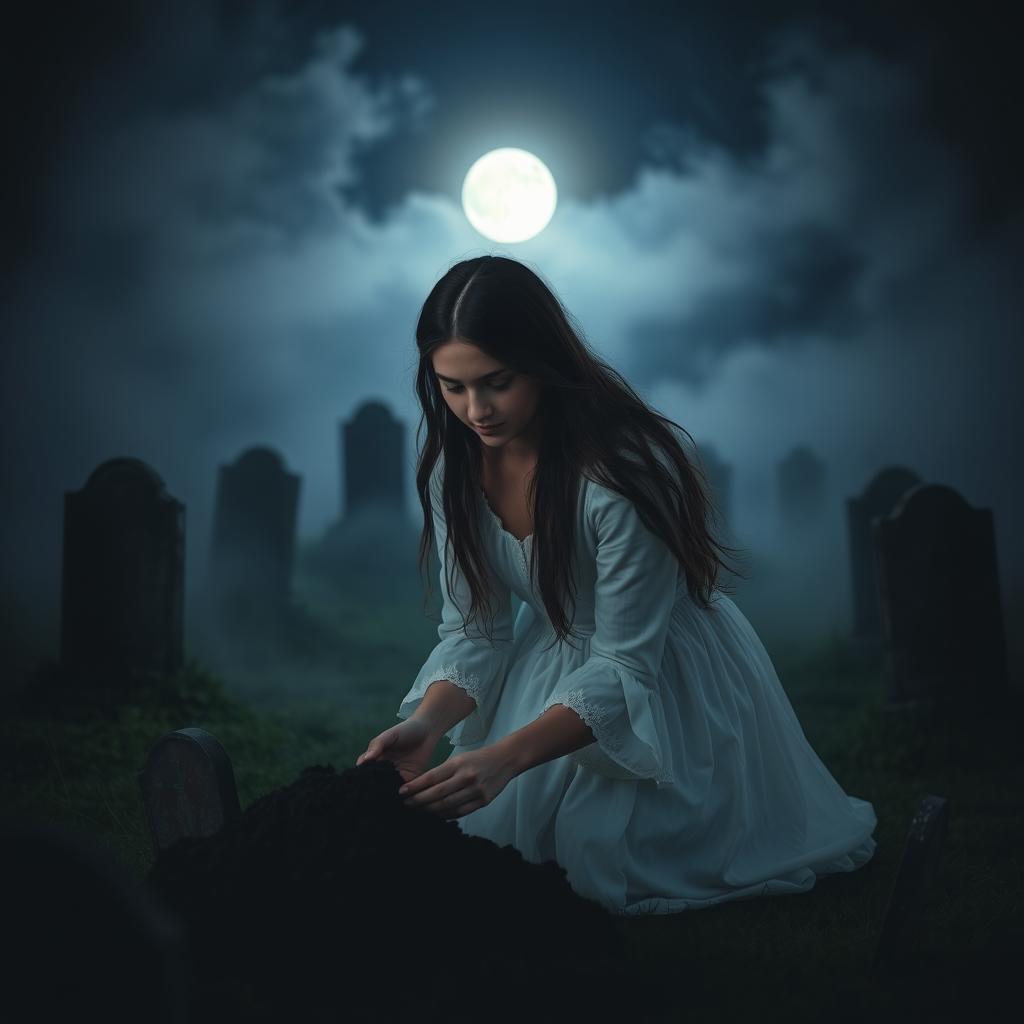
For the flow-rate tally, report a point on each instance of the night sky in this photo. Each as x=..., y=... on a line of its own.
x=784, y=223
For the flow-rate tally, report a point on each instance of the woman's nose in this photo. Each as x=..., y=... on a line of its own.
x=478, y=410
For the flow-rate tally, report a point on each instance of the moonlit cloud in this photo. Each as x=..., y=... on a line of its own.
x=209, y=283
x=248, y=172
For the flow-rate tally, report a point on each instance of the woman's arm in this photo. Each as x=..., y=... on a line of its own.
x=556, y=732
x=444, y=705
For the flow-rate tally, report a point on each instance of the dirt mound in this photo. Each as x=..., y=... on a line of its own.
x=329, y=897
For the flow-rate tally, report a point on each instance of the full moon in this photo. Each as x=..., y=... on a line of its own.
x=509, y=195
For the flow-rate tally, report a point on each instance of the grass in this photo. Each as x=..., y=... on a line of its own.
x=71, y=753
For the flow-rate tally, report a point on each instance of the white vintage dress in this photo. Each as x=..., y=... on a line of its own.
x=701, y=786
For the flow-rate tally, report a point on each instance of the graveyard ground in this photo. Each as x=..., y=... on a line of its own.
x=72, y=756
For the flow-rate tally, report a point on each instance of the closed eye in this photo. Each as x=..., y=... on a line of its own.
x=455, y=388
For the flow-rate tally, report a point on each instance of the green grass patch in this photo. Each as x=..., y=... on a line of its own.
x=72, y=749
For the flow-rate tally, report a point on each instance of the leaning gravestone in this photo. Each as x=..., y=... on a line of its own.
x=941, y=608
x=253, y=544
x=801, y=482
x=880, y=496
x=921, y=848
x=122, y=594
x=188, y=787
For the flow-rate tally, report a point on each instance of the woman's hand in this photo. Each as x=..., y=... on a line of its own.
x=463, y=783
x=408, y=745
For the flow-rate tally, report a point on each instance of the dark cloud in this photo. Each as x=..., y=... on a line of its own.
x=805, y=289
x=231, y=228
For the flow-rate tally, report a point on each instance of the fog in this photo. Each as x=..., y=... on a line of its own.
x=203, y=279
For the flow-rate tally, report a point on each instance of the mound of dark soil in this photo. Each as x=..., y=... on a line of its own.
x=330, y=900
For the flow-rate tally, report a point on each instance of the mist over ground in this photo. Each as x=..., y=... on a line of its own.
x=207, y=272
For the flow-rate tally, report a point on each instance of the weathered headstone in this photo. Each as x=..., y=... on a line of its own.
x=373, y=442
x=719, y=476
x=188, y=787
x=253, y=544
x=122, y=594
x=880, y=496
x=941, y=607
x=801, y=481
x=921, y=848
x=374, y=545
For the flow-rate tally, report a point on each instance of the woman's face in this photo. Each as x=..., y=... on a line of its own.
x=480, y=391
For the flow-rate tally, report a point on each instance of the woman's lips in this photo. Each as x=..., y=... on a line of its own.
x=489, y=430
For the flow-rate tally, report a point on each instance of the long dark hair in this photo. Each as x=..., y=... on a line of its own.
x=594, y=425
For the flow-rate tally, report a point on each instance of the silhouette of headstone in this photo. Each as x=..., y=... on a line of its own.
x=253, y=544
x=719, y=475
x=921, y=848
x=188, y=787
x=373, y=545
x=122, y=594
x=941, y=609
x=880, y=496
x=374, y=447
x=86, y=941
x=801, y=480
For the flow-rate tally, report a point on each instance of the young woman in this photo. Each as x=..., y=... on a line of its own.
x=626, y=722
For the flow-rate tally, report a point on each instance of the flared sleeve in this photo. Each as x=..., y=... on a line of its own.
x=464, y=655
x=615, y=691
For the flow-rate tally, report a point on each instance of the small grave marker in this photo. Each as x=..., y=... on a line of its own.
x=188, y=787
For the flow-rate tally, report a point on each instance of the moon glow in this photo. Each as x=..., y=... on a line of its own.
x=508, y=195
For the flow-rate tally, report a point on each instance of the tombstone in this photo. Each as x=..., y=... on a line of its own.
x=719, y=476
x=374, y=545
x=886, y=488
x=253, y=545
x=916, y=869
x=122, y=593
x=188, y=787
x=374, y=461
x=801, y=482
x=86, y=941
x=941, y=608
